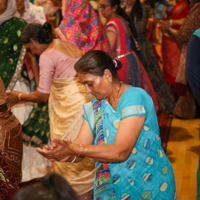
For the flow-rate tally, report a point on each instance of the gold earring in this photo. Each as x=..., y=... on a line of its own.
x=110, y=80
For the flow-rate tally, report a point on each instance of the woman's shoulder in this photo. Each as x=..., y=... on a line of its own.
x=116, y=21
x=67, y=48
x=134, y=96
x=133, y=91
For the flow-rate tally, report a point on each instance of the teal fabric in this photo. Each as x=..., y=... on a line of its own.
x=147, y=173
x=197, y=32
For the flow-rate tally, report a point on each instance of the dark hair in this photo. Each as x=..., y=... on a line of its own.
x=41, y=33
x=136, y=11
x=194, y=2
x=95, y=62
x=152, y=3
x=52, y=187
x=120, y=11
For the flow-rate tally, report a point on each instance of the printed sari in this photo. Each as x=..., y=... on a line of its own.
x=147, y=172
x=186, y=105
x=8, y=184
x=132, y=71
x=12, y=53
x=10, y=137
x=170, y=50
x=81, y=26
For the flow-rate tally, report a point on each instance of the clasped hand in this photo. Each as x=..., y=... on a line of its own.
x=163, y=25
x=12, y=97
x=58, y=151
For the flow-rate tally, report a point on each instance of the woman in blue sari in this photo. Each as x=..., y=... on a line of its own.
x=121, y=133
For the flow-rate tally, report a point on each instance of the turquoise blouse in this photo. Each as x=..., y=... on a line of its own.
x=147, y=173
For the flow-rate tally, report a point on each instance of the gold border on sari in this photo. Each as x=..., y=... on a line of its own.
x=17, y=75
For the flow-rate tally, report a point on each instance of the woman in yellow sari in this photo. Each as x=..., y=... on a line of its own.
x=66, y=95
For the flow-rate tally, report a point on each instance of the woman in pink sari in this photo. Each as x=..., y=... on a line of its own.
x=121, y=40
x=82, y=27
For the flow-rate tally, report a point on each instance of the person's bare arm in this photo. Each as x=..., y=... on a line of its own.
x=57, y=150
x=178, y=22
x=34, y=67
x=126, y=138
x=165, y=28
x=12, y=97
x=112, y=40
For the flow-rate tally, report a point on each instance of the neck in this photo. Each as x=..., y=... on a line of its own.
x=114, y=15
x=21, y=12
x=115, y=95
x=129, y=7
x=44, y=47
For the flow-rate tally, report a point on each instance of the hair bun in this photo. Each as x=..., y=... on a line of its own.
x=47, y=182
x=46, y=33
x=47, y=27
x=119, y=64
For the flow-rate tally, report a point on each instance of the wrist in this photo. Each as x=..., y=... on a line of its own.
x=19, y=96
x=76, y=149
x=70, y=159
x=80, y=150
x=168, y=30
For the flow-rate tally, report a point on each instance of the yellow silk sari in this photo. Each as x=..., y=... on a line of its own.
x=66, y=117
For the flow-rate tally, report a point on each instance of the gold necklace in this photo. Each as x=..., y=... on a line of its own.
x=117, y=96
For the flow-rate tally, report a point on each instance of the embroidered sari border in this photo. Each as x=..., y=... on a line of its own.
x=135, y=110
x=17, y=74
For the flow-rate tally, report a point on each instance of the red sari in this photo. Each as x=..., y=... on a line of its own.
x=121, y=54
x=170, y=49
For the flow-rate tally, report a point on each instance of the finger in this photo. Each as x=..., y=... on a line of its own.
x=39, y=150
x=53, y=146
x=56, y=141
x=47, y=147
x=69, y=139
x=7, y=93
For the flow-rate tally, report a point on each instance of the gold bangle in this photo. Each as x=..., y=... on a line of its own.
x=19, y=96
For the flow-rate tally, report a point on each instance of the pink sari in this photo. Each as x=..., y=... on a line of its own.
x=121, y=54
x=82, y=27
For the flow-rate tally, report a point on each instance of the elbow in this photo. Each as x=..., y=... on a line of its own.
x=44, y=97
x=122, y=156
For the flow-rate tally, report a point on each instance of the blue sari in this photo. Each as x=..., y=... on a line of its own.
x=147, y=173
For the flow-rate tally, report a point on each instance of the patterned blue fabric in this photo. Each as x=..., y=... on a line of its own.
x=164, y=6
x=147, y=173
